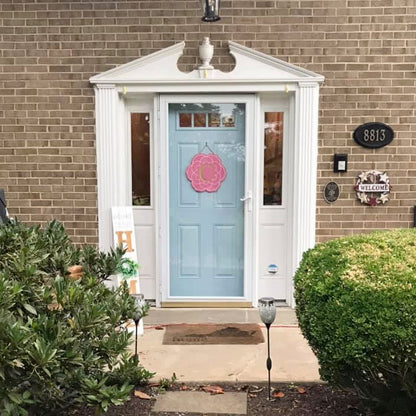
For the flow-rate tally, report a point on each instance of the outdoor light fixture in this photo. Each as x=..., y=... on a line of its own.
x=139, y=306
x=267, y=310
x=210, y=10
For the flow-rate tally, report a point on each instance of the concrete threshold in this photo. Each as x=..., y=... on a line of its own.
x=165, y=316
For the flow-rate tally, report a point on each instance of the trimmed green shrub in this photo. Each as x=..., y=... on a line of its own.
x=356, y=306
x=62, y=341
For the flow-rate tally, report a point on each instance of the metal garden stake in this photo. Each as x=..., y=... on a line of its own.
x=139, y=304
x=267, y=310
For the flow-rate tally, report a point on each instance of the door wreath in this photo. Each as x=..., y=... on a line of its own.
x=373, y=187
x=206, y=171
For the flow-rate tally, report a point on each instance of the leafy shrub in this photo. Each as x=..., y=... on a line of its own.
x=356, y=305
x=61, y=340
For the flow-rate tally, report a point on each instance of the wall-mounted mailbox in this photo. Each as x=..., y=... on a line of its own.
x=340, y=162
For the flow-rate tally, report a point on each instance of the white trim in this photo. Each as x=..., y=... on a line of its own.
x=249, y=229
x=305, y=167
x=119, y=72
x=157, y=196
x=238, y=51
x=110, y=170
x=254, y=73
x=161, y=68
x=257, y=155
x=291, y=185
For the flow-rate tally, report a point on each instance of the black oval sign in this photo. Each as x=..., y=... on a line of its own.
x=373, y=135
x=331, y=192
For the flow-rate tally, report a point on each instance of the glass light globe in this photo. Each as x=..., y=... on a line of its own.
x=210, y=10
x=267, y=310
x=139, y=304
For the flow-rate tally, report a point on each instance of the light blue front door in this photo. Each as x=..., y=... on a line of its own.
x=206, y=227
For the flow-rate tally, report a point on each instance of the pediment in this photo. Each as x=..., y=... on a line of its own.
x=161, y=67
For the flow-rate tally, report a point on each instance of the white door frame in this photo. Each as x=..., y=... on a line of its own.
x=273, y=216
x=254, y=73
x=251, y=183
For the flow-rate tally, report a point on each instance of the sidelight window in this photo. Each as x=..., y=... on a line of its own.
x=273, y=158
x=140, y=158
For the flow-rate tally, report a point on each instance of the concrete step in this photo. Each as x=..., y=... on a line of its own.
x=166, y=316
x=292, y=359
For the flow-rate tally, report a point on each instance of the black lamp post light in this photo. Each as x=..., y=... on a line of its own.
x=267, y=310
x=210, y=10
x=140, y=309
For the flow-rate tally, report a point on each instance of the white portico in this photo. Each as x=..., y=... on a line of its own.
x=242, y=238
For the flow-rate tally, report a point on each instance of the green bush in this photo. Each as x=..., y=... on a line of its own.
x=62, y=341
x=356, y=306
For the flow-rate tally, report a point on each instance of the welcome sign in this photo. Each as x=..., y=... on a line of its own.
x=374, y=187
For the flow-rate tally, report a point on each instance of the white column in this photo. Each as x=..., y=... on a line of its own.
x=109, y=160
x=305, y=170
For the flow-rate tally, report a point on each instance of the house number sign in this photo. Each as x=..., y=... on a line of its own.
x=373, y=135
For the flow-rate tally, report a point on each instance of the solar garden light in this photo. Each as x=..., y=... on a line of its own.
x=267, y=310
x=138, y=313
x=210, y=10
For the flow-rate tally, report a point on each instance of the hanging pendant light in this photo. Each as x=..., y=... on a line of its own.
x=210, y=10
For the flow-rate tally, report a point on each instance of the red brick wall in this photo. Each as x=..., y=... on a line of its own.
x=366, y=49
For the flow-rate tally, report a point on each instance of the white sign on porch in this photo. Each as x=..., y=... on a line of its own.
x=123, y=233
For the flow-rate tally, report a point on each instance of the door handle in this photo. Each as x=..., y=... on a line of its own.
x=248, y=197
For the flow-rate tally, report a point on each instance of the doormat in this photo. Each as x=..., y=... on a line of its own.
x=201, y=334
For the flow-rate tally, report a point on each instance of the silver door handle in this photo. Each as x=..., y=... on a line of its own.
x=245, y=198
x=248, y=197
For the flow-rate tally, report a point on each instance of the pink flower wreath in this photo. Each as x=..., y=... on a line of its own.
x=206, y=172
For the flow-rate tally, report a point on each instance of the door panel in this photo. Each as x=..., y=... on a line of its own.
x=206, y=228
x=226, y=250
x=189, y=251
x=188, y=197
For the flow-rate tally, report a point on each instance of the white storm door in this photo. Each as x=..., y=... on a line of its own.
x=207, y=235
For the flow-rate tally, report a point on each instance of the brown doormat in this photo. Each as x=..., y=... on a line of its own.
x=199, y=334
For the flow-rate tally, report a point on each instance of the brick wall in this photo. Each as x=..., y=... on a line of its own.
x=366, y=49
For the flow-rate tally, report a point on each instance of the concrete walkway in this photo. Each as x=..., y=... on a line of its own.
x=293, y=361
x=184, y=402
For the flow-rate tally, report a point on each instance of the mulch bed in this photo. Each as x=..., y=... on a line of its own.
x=294, y=400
